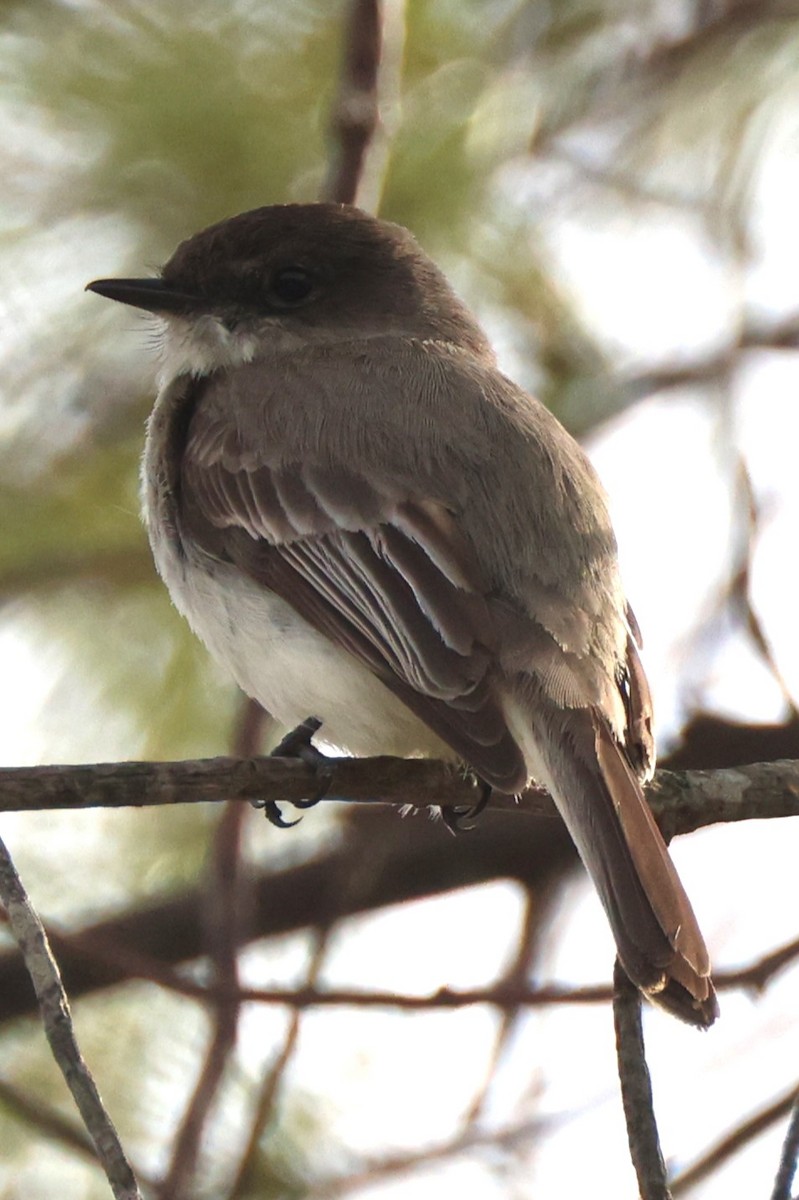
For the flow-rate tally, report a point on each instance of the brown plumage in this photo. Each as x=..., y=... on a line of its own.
x=369, y=524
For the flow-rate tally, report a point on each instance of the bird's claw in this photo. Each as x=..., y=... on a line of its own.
x=455, y=818
x=273, y=814
x=297, y=744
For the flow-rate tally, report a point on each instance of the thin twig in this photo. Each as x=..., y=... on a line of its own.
x=51, y=1122
x=355, y=116
x=519, y=1135
x=47, y=1120
x=273, y=1080
x=762, y=971
x=783, y=335
x=508, y=994
x=265, y=1105
x=515, y=977
x=732, y=1142
x=788, y=1157
x=740, y=585
x=57, y=1020
x=225, y=896
x=636, y=1089
x=113, y=950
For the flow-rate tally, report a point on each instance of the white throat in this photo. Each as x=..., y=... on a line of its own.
x=198, y=345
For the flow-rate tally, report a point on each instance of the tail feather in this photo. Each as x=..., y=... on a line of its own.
x=603, y=806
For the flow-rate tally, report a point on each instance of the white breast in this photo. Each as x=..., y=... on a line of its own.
x=280, y=660
x=272, y=653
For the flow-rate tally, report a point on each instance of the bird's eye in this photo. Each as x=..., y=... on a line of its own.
x=291, y=285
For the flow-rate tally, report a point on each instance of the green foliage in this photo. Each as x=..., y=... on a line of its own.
x=185, y=112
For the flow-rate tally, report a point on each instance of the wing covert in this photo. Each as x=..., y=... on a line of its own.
x=390, y=579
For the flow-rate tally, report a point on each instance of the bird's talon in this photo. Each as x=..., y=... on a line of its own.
x=273, y=814
x=297, y=744
x=297, y=741
x=485, y=796
x=454, y=818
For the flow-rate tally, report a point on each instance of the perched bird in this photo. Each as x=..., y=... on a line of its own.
x=369, y=524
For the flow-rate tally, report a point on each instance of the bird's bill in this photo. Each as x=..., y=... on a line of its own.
x=152, y=295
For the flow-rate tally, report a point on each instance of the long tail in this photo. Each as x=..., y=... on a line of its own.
x=603, y=806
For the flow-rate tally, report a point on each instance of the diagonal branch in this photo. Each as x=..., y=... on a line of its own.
x=57, y=1020
x=788, y=1157
x=734, y=1141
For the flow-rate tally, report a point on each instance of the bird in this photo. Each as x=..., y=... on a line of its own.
x=369, y=525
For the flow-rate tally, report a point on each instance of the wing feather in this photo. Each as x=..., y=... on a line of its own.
x=389, y=578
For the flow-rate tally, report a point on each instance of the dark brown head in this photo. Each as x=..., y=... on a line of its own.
x=315, y=271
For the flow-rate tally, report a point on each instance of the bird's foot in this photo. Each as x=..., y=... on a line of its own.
x=297, y=744
x=455, y=818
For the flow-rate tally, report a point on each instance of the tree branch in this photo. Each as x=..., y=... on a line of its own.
x=227, y=887
x=681, y=801
x=355, y=116
x=57, y=1020
x=416, y=859
x=790, y=1152
x=636, y=1089
x=732, y=1142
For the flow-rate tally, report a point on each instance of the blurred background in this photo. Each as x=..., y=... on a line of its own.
x=613, y=186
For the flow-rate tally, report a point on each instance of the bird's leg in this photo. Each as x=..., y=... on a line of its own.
x=454, y=818
x=297, y=744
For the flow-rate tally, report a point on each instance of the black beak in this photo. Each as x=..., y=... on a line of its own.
x=150, y=294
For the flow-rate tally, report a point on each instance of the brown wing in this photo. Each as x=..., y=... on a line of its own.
x=388, y=578
x=640, y=742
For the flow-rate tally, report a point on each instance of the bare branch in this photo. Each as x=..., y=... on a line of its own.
x=761, y=972
x=507, y=1139
x=515, y=977
x=227, y=894
x=273, y=1081
x=681, y=801
x=783, y=335
x=507, y=997
x=355, y=117
x=733, y=1142
x=509, y=993
x=264, y=1107
x=44, y=974
x=790, y=1151
x=708, y=742
x=416, y=859
x=739, y=591
x=120, y=785
x=636, y=1089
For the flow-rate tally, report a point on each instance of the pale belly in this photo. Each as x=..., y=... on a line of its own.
x=294, y=672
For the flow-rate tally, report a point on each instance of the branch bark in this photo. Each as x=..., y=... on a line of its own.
x=57, y=1020
x=636, y=1089
x=681, y=801
x=417, y=859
